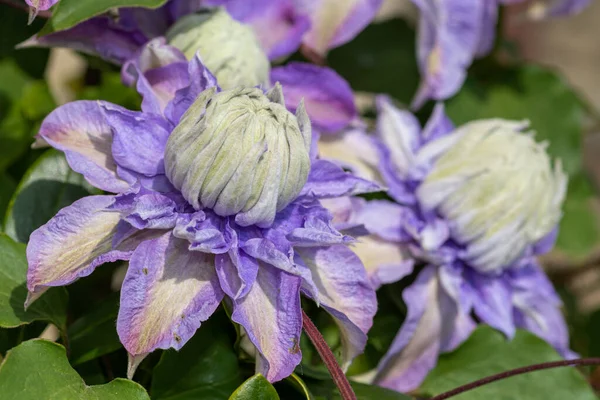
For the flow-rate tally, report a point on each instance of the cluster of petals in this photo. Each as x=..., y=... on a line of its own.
x=185, y=261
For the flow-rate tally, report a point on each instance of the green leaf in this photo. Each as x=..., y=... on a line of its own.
x=94, y=334
x=49, y=185
x=255, y=388
x=7, y=187
x=69, y=13
x=13, y=292
x=205, y=368
x=328, y=390
x=381, y=59
x=488, y=352
x=38, y=369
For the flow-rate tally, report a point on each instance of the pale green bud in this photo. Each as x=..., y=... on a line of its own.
x=497, y=188
x=240, y=152
x=229, y=49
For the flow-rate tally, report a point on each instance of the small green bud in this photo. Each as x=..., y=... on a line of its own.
x=229, y=49
x=240, y=152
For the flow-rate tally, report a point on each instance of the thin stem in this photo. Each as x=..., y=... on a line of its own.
x=24, y=7
x=513, y=372
x=328, y=358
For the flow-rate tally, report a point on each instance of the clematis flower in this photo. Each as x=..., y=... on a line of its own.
x=475, y=205
x=36, y=6
x=451, y=34
x=215, y=198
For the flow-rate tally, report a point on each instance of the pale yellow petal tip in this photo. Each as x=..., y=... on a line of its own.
x=133, y=363
x=40, y=143
x=33, y=12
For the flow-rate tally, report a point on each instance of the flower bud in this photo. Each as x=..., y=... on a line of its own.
x=496, y=187
x=240, y=152
x=229, y=49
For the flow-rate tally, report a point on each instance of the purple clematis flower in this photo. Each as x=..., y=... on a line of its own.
x=453, y=33
x=476, y=205
x=215, y=198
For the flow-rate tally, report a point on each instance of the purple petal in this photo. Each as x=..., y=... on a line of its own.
x=179, y=8
x=345, y=292
x=328, y=98
x=316, y=230
x=237, y=272
x=200, y=80
x=205, y=232
x=81, y=131
x=438, y=125
x=72, y=244
x=384, y=219
x=277, y=24
x=335, y=23
x=433, y=321
x=448, y=38
x=139, y=139
x=327, y=180
x=148, y=22
x=168, y=291
x=271, y=315
x=41, y=4
x=558, y=8
x=492, y=301
x=148, y=211
x=97, y=36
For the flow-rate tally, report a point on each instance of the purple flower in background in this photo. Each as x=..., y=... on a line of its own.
x=452, y=33
x=36, y=6
x=475, y=204
x=216, y=197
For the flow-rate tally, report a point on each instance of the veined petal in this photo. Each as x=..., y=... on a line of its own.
x=433, y=323
x=493, y=301
x=72, y=244
x=97, y=36
x=168, y=291
x=139, y=139
x=237, y=272
x=82, y=132
x=328, y=98
x=271, y=315
x=327, y=180
x=345, y=292
x=336, y=22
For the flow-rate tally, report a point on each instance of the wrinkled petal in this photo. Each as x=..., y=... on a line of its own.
x=237, y=272
x=328, y=98
x=205, y=232
x=147, y=211
x=277, y=24
x=316, y=230
x=139, y=139
x=492, y=302
x=345, y=292
x=327, y=180
x=200, y=80
x=353, y=150
x=82, y=132
x=167, y=292
x=384, y=262
x=336, y=22
x=271, y=315
x=72, y=244
x=97, y=36
x=433, y=320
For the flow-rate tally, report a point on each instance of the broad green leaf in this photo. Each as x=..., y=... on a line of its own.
x=7, y=187
x=49, y=185
x=111, y=89
x=69, y=13
x=488, y=352
x=38, y=369
x=381, y=59
x=95, y=334
x=205, y=368
x=557, y=116
x=50, y=307
x=255, y=388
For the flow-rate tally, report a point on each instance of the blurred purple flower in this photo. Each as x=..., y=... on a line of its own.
x=201, y=219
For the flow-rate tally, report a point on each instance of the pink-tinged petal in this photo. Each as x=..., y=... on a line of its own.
x=38, y=5
x=433, y=324
x=336, y=22
x=345, y=292
x=277, y=24
x=72, y=244
x=327, y=180
x=167, y=293
x=271, y=315
x=82, y=132
x=97, y=36
x=328, y=98
x=139, y=139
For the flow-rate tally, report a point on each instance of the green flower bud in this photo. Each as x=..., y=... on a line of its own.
x=229, y=49
x=497, y=188
x=240, y=152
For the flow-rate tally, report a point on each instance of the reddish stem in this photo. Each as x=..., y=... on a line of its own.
x=513, y=372
x=328, y=358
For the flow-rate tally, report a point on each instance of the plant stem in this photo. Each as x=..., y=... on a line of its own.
x=513, y=372
x=328, y=358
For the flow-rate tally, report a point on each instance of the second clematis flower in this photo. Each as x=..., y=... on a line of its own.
x=473, y=207
x=216, y=198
